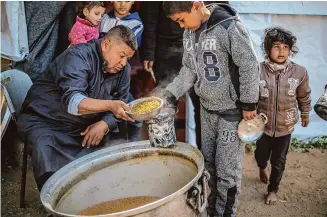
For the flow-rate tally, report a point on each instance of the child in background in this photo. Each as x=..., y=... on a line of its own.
x=220, y=62
x=87, y=23
x=284, y=89
x=120, y=16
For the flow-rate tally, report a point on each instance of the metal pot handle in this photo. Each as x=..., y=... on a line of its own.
x=264, y=117
x=197, y=197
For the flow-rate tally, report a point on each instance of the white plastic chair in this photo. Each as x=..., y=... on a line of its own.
x=16, y=85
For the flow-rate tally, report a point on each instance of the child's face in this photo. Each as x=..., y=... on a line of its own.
x=94, y=15
x=122, y=8
x=279, y=52
x=192, y=20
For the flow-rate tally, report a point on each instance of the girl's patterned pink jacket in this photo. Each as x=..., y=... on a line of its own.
x=82, y=32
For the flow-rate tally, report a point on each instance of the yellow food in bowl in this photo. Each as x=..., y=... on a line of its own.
x=145, y=107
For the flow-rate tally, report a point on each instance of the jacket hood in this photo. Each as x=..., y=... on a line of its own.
x=220, y=13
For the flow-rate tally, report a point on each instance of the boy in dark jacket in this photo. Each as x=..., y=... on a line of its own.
x=220, y=62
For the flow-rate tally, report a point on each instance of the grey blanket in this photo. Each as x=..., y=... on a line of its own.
x=42, y=20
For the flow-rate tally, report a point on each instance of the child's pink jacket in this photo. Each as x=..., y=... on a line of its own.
x=82, y=32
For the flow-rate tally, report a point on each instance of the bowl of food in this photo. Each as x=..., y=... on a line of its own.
x=145, y=108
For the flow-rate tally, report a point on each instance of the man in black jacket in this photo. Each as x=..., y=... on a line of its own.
x=162, y=43
x=79, y=99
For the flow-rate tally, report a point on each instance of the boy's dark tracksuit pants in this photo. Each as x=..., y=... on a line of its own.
x=223, y=155
x=276, y=149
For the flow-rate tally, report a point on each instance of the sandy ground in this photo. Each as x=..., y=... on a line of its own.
x=303, y=191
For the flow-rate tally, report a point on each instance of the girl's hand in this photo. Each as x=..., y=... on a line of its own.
x=249, y=115
x=305, y=120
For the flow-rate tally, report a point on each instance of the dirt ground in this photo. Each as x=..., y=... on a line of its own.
x=303, y=191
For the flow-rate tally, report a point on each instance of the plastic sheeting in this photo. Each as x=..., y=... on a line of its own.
x=310, y=31
x=278, y=7
x=14, y=41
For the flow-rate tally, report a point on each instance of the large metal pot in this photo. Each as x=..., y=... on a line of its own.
x=174, y=174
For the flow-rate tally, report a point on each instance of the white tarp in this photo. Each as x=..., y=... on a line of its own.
x=311, y=31
x=278, y=7
x=14, y=41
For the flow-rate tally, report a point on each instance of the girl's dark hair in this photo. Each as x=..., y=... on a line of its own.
x=274, y=34
x=89, y=5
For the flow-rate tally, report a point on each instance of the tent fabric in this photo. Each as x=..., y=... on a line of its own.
x=14, y=41
x=277, y=7
x=42, y=20
x=310, y=31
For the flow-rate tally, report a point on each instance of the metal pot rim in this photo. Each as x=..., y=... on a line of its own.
x=69, y=169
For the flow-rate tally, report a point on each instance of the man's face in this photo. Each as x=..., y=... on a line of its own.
x=122, y=8
x=116, y=53
x=191, y=21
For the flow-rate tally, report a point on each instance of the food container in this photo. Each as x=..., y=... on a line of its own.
x=161, y=128
x=175, y=175
x=321, y=105
x=252, y=130
x=144, y=116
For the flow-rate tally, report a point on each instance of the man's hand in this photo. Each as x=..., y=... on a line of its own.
x=118, y=108
x=94, y=134
x=147, y=65
x=249, y=115
x=305, y=120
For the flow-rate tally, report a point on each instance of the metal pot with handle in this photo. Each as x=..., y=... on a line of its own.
x=252, y=130
x=321, y=105
x=175, y=176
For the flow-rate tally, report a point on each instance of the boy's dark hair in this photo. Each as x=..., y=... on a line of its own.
x=124, y=34
x=274, y=34
x=89, y=5
x=173, y=7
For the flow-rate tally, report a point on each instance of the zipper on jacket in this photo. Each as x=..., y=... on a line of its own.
x=194, y=57
x=276, y=104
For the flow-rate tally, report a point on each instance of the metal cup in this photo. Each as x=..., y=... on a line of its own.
x=252, y=130
x=161, y=128
x=321, y=105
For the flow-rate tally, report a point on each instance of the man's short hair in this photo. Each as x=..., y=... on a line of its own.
x=173, y=7
x=123, y=34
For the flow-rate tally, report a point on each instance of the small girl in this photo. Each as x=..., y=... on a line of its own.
x=87, y=23
x=284, y=91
